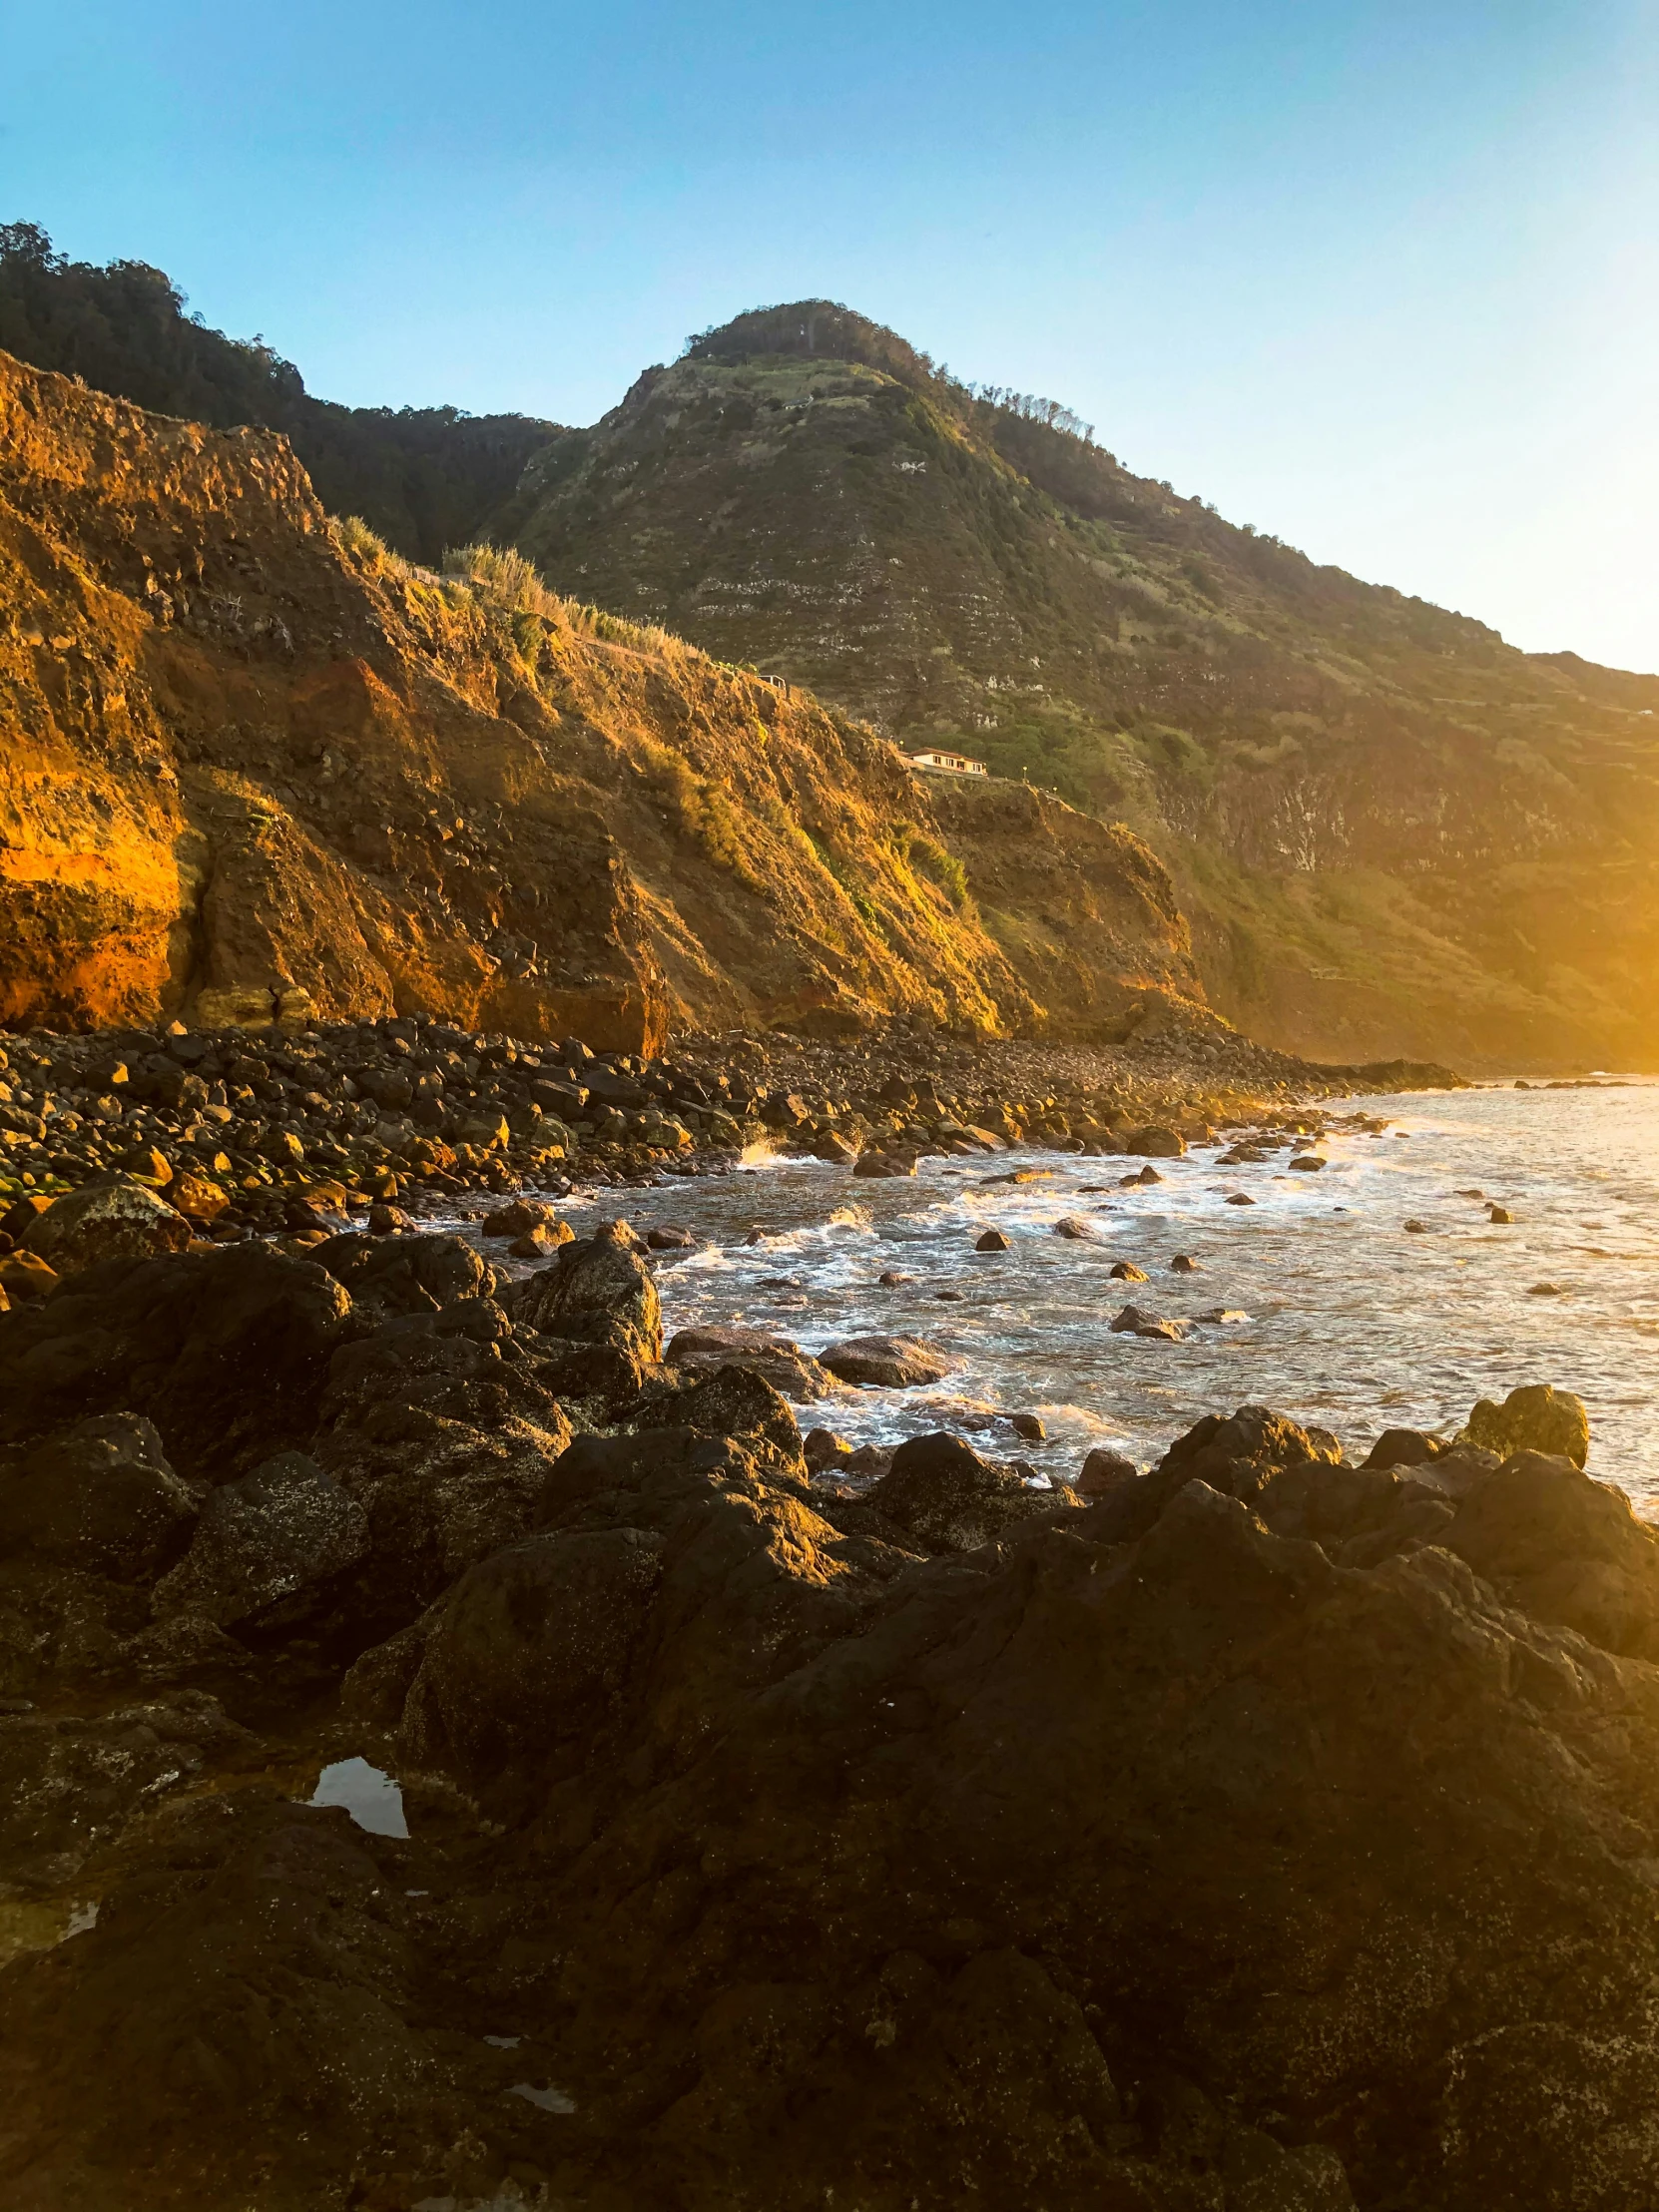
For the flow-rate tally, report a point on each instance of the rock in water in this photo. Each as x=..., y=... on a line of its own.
x=886, y=1164
x=117, y=1220
x=992, y=1239
x=782, y=1363
x=1536, y=1418
x=1135, y=1321
x=885, y=1362
x=1157, y=1143
x=281, y=1531
x=1105, y=1470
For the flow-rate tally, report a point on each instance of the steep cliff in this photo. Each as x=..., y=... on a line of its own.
x=1392, y=831
x=256, y=767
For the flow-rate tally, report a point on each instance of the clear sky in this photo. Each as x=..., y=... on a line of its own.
x=1381, y=279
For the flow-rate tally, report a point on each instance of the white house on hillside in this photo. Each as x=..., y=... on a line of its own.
x=957, y=763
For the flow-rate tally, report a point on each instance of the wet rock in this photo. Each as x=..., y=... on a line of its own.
x=22, y=1213
x=25, y=1276
x=1415, y=1228
x=200, y=1201
x=101, y=1497
x=1239, y=1198
x=886, y=1164
x=822, y=1447
x=520, y=1217
x=1184, y=1264
x=1029, y=1426
x=1499, y=1214
x=1306, y=1163
x=115, y=1219
x=1137, y=1320
x=388, y=1221
x=1105, y=1470
x=597, y=1291
x=226, y=1352
x=943, y=1495
x=781, y=1361
x=885, y=1362
x=1403, y=1448
x=992, y=1239
x=1157, y=1143
x=891, y=1278
x=541, y=1241
x=1073, y=1226
x=1125, y=1271
x=1536, y=1418
x=671, y=1239
x=273, y=1536
x=406, y=1275
x=869, y=1460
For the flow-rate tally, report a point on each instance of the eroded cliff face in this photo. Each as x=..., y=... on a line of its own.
x=1391, y=832
x=257, y=769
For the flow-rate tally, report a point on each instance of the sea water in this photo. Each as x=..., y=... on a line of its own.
x=1349, y=1320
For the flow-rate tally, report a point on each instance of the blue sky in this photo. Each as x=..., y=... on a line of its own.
x=1380, y=278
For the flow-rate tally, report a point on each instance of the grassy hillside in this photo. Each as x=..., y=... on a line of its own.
x=254, y=764
x=1392, y=830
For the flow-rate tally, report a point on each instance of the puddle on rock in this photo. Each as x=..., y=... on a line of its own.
x=550, y=2100
x=372, y=1799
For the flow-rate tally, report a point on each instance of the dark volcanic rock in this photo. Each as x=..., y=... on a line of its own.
x=224, y=1351
x=943, y=1495
x=1263, y=1833
x=885, y=1362
x=268, y=1540
x=785, y=1366
x=405, y=1275
x=99, y=1495
x=597, y=1291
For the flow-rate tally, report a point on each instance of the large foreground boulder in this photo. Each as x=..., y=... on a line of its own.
x=598, y=1291
x=270, y=1538
x=99, y=1495
x=112, y=1219
x=224, y=1351
x=1536, y=1417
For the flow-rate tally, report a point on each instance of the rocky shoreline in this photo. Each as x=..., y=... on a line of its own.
x=462, y=1752
x=260, y=1132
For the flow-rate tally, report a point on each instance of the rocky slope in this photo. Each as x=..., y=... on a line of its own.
x=255, y=767
x=1258, y=1834
x=1392, y=831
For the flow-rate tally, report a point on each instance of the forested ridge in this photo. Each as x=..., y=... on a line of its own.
x=423, y=477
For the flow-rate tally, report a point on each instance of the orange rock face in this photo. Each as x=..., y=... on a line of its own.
x=257, y=770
